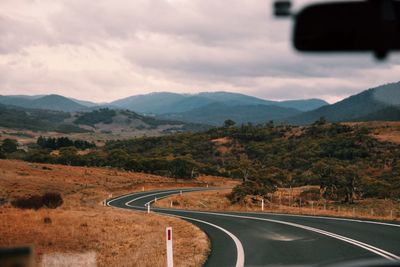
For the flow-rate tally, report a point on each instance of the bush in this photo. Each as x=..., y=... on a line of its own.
x=49, y=200
x=311, y=194
x=31, y=202
x=52, y=200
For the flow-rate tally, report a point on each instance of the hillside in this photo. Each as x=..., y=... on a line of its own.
x=82, y=227
x=49, y=102
x=216, y=114
x=345, y=160
x=167, y=103
x=374, y=104
x=100, y=123
x=36, y=120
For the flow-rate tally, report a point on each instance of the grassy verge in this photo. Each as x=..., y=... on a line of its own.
x=377, y=209
x=82, y=225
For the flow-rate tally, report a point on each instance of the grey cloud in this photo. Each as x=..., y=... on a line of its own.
x=193, y=43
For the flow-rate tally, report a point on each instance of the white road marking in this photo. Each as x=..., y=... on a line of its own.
x=239, y=247
x=238, y=244
x=328, y=218
x=378, y=251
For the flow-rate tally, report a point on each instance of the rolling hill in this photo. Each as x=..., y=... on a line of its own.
x=376, y=103
x=121, y=123
x=216, y=113
x=49, y=102
x=167, y=103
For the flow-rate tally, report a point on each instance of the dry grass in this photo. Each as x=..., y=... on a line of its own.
x=383, y=131
x=83, y=225
x=282, y=203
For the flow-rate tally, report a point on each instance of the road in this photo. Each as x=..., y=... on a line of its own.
x=265, y=239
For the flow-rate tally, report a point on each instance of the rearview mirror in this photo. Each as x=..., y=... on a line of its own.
x=372, y=25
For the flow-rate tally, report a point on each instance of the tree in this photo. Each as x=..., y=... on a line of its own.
x=9, y=146
x=68, y=156
x=337, y=180
x=182, y=168
x=229, y=123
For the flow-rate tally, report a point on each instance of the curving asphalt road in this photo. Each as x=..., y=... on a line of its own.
x=265, y=239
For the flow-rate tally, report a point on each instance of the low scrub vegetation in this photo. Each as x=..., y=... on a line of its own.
x=344, y=161
x=47, y=200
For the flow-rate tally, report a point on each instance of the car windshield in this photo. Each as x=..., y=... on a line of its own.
x=199, y=133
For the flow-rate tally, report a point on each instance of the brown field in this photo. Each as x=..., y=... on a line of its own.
x=286, y=201
x=82, y=224
x=383, y=131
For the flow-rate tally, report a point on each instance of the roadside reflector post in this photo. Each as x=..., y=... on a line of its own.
x=155, y=199
x=262, y=204
x=170, y=256
x=171, y=204
x=207, y=185
x=180, y=192
x=148, y=208
x=391, y=214
x=142, y=188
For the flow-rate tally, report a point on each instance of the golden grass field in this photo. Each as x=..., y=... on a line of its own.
x=83, y=225
x=217, y=200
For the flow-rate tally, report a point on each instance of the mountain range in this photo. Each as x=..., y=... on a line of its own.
x=379, y=103
x=213, y=108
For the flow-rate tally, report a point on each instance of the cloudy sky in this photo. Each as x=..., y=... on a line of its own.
x=108, y=49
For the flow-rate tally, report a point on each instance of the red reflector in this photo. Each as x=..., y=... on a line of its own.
x=169, y=234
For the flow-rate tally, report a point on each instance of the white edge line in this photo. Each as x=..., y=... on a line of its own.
x=238, y=244
x=239, y=247
x=325, y=217
x=360, y=244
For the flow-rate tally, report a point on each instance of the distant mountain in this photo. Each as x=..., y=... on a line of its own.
x=88, y=104
x=216, y=113
x=391, y=113
x=376, y=103
x=167, y=103
x=49, y=102
x=303, y=105
x=156, y=103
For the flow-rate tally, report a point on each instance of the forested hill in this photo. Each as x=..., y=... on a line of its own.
x=97, y=121
x=47, y=102
x=378, y=103
x=345, y=161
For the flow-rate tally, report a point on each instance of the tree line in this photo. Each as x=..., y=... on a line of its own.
x=344, y=161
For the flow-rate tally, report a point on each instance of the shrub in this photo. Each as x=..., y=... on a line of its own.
x=31, y=202
x=311, y=194
x=49, y=200
x=52, y=200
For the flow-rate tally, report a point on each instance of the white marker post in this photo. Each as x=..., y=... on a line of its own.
x=170, y=255
x=262, y=204
x=148, y=207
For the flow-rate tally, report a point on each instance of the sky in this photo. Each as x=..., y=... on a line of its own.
x=109, y=49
